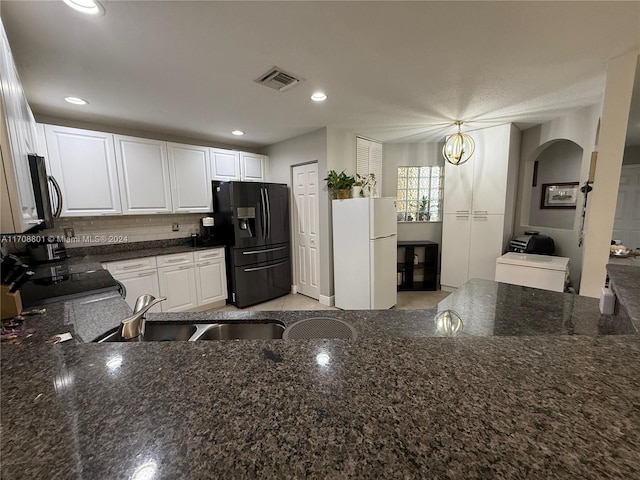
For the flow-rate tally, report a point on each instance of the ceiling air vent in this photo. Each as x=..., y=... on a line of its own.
x=278, y=79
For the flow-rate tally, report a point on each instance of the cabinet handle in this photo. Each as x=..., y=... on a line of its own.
x=205, y=264
x=462, y=211
x=185, y=267
x=462, y=216
x=215, y=254
x=481, y=212
x=480, y=217
x=129, y=267
x=174, y=260
x=148, y=274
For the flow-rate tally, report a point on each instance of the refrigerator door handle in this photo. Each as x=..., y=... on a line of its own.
x=263, y=268
x=263, y=206
x=254, y=252
x=266, y=196
x=385, y=236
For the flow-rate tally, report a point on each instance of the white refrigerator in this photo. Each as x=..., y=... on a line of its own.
x=365, y=253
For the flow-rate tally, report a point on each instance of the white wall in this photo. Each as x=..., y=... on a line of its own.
x=559, y=162
x=580, y=127
x=396, y=155
x=602, y=206
x=311, y=147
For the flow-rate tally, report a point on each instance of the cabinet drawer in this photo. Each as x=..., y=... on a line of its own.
x=176, y=259
x=133, y=265
x=209, y=254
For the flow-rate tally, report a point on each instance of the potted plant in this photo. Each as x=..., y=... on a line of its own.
x=339, y=183
x=364, y=185
x=423, y=214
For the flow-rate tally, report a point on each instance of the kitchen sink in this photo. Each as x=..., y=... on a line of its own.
x=244, y=331
x=179, y=331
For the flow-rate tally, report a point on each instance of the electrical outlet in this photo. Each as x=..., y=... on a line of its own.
x=69, y=233
x=175, y=227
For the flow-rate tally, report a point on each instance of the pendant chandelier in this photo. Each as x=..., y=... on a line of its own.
x=458, y=147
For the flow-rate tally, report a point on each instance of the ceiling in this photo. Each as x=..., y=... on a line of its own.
x=393, y=71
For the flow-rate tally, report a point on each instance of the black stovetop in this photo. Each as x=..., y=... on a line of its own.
x=58, y=281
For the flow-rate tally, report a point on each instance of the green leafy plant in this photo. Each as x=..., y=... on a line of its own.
x=339, y=181
x=366, y=183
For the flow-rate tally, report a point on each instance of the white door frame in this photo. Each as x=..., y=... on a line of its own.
x=310, y=290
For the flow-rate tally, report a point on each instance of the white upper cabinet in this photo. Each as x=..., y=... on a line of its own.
x=225, y=164
x=458, y=184
x=190, y=178
x=83, y=163
x=143, y=174
x=252, y=167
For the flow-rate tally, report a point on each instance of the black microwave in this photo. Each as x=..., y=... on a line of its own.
x=48, y=206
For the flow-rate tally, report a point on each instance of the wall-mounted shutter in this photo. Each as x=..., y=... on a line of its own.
x=369, y=160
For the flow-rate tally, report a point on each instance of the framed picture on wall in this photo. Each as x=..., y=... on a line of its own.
x=559, y=195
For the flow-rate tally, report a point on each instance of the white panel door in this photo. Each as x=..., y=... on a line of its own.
x=252, y=167
x=455, y=249
x=225, y=164
x=190, y=178
x=306, y=240
x=178, y=284
x=83, y=162
x=486, y=245
x=211, y=281
x=458, y=182
x=143, y=175
x=140, y=283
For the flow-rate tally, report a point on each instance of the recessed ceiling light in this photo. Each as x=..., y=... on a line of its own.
x=238, y=132
x=90, y=7
x=75, y=100
x=318, y=97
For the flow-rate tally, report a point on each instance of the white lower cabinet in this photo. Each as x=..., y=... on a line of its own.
x=188, y=280
x=140, y=283
x=455, y=251
x=178, y=284
x=211, y=278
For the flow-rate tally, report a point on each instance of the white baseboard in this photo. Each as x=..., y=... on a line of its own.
x=446, y=288
x=328, y=301
x=294, y=289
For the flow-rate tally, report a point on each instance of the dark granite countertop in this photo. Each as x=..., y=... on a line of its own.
x=625, y=280
x=476, y=407
x=127, y=251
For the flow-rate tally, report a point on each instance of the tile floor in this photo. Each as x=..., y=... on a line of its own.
x=406, y=301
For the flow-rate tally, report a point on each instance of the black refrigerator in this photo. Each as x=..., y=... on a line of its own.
x=253, y=220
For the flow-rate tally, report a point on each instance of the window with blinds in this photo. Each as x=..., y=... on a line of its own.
x=369, y=160
x=420, y=194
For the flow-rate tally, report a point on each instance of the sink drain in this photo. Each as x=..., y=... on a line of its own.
x=320, y=327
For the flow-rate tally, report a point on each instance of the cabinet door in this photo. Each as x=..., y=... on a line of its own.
x=143, y=174
x=178, y=284
x=211, y=281
x=458, y=182
x=190, y=178
x=455, y=249
x=225, y=164
x=485, y=245
x=83, y=163
x=490, y=168
x=251, y=167
x=140, y=283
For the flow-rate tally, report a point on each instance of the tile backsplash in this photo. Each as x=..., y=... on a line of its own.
x=94, y=231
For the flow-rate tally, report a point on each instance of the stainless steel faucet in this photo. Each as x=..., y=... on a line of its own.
x=133, y=326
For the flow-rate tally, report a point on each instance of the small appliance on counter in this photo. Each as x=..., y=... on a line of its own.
x=532, y=242
x=46, y=252
x=207, y=232
x=14, y=274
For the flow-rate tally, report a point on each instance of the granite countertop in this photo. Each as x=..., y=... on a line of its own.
x=127, y=251
x=625, y=280
x=531, y=386
x=476, y=407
